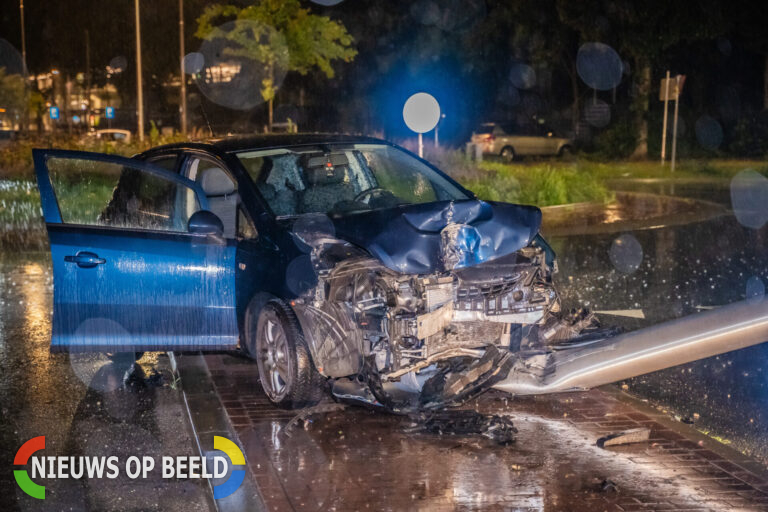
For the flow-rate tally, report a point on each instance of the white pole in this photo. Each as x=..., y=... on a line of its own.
x=664, y=127
x=421, y=146
x=139, y=88
x=183, y=105
x=674, y=126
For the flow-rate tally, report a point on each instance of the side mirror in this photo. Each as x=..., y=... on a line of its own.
x=203, y=222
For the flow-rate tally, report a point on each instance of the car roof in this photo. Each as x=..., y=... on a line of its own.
x=235, y=143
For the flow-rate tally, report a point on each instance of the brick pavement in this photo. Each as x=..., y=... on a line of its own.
x=358, y=459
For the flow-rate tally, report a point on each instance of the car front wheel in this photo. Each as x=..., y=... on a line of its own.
x=286, y=371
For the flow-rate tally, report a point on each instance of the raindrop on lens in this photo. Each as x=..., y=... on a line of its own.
x=460, y=15
x=193, y=63
x=509, y=96
x=522, y=76
x=749, y=198
x=599, y=66
x=118, y=64
x=626, y=254
x=300, y=275
x=597, y=113
x=709, y=133
x=425, y=12
x=755, y=290
x=314, y=226
x=234, y=81
x=729, y=104
x=724, y=45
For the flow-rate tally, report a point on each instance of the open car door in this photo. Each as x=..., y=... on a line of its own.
x=127, y=273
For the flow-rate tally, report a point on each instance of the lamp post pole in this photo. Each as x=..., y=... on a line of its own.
x=183, y=105
x=25, y=116
x=139, y=88
x=23, y=36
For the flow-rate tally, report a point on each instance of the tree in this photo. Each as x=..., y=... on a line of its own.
x=278, y=34
x=13, y=94
x=643, y=32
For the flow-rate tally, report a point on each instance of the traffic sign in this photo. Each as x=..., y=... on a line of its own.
x=53, y=112
x=109, y=112
x=671, y=88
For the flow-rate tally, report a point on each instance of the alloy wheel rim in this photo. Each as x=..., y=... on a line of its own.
x=273, y=358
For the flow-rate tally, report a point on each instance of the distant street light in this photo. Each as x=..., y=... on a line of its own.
x=421, y=113
x=139, y=87
x=183, y=105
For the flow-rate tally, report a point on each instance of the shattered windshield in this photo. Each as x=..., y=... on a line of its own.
x=344, y=178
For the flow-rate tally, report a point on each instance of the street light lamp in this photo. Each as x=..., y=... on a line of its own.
x=421, y=113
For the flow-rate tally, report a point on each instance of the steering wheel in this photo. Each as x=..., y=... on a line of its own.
x=370, y=194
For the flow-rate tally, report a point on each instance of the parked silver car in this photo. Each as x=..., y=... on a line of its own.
x=509, y=143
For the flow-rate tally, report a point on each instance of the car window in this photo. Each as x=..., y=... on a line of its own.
x=167, y=162
x=485, y=129
x=109, y=194
x=245, y=227
x=220, y=189
x=337, y=179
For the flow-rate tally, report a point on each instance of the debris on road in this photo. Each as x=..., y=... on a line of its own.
x=305, y=414
x=609, y=486
x=466, y=423
x=635, y=435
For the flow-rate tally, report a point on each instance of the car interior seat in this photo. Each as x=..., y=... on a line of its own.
x=222, y=196
x=326, y=186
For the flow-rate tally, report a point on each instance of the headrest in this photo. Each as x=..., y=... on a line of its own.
x=324, y=175
x=215, y=182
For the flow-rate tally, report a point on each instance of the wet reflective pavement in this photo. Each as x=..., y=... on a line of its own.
x=671, y=272
x=356, y=459
x=83, y=405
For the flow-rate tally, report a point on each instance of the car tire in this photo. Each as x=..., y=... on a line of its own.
x=507, y=154
x=287, y=374
x=566, y=152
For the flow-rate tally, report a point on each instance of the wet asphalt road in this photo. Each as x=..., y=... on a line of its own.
x=83, y=405
x=683, y=269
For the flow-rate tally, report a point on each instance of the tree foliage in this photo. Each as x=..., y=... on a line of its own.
x=279, y=34
x=13, y=92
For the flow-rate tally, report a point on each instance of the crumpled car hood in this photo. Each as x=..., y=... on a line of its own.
x=407, y=239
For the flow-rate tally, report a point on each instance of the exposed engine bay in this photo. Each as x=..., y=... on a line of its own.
x=413, y=342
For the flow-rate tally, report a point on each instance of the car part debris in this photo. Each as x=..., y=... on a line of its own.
x=465, y=423
x=305, y=414
x=423, y=336
x=635, y=435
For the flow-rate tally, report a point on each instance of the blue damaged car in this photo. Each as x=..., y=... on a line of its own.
x=337, y=263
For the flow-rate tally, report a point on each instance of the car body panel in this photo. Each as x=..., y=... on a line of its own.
x=154, y=290
x=495, y=140
x=409, y=239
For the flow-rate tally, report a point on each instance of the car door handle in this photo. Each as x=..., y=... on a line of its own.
x=85, y=259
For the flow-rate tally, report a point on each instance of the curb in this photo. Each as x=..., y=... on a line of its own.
x=208, y=418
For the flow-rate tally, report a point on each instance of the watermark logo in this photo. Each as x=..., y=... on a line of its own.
x=134, y=467
x=236, y=477
x=22, y=477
